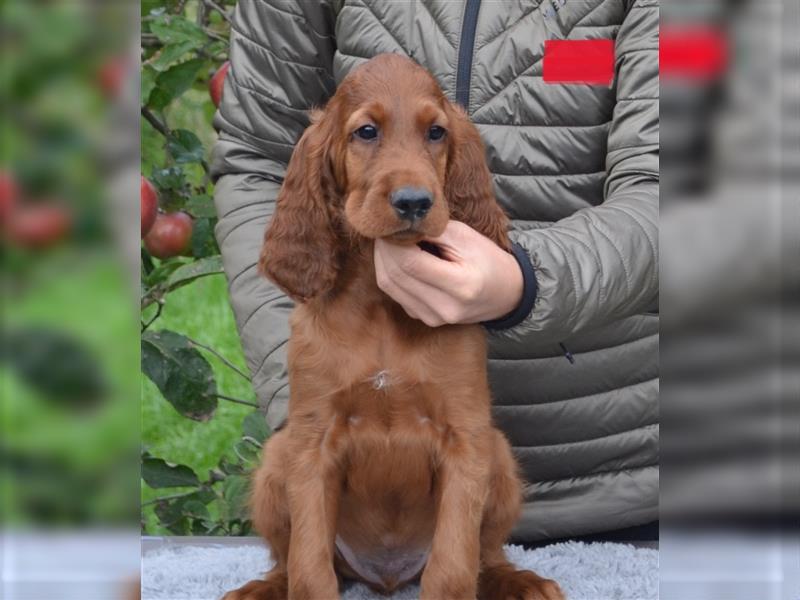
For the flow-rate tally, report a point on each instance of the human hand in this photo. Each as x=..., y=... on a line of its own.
x=474, y=280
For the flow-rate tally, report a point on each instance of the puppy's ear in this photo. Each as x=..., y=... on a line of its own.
x=468, y=184
x=301, y=253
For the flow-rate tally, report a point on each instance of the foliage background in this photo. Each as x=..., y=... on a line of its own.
x=69, y=411
x=201, y=430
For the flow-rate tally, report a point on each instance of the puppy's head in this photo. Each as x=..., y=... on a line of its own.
x=389, y=157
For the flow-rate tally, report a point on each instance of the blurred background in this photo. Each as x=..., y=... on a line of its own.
x=69, y=241
x=76, y=79
x=730, y=276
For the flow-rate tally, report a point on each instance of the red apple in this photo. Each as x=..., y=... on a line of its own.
x=149, y=205
x=39, y=226
x=110, y=76
x=9, y=195
x=171, y=235
x=217, y=83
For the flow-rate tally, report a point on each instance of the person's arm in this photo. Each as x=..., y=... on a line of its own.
x=281, y=66
x=601, y=263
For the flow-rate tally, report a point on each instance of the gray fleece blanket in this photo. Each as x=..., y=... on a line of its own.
x=601, y=571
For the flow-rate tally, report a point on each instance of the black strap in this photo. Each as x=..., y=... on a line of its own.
x=529, y=290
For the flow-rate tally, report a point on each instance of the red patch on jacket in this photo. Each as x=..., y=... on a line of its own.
x=579, y=61
x=694, y=52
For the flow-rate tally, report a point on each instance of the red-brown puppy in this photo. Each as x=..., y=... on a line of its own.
x=389, y=466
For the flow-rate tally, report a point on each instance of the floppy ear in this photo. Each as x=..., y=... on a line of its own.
x=301, y=253
x=468, y=184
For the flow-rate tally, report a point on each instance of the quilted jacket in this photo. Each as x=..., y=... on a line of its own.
x=575, y=166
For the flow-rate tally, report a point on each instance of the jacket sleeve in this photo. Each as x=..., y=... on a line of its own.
x=601, y=263
x=281, y=58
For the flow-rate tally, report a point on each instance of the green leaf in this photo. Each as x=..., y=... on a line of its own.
x=148, y=83
x=230, y=467
x=201, y=206
x=170, y=54
x=56, y=364
x=156, y=7
x=180, y=372
x=172, y=29
x=195, y=509
x=175, y=81
x=158, y=473
x=148, y=5
x=172, y=186
x=159, y=98
x=204, y=495
x=202, y=527
x=186, y=514
x=171, y=178
x=217, y=47
x=235, y=490
x=248, y=454
x=245, y=528
x=215, y=529
x=163, y=271
x=179, y=526
x=210, y=265
x=203, y=241
x=167, y=512
x=185, y=147
x=255, y=426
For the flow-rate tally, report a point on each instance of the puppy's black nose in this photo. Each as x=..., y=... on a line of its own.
x=411, y=203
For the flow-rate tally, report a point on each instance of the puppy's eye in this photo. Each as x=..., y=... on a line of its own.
x=435, y=133
x=367, y=132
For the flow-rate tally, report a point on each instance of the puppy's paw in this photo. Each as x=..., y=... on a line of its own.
x=275, y=587
x=506, y=583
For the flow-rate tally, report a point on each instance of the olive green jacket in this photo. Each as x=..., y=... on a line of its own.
x=576, y=168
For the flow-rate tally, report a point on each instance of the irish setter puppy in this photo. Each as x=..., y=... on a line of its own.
x=389, y=467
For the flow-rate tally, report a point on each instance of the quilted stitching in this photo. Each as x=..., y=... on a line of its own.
x=507, y=31
x=500, y=92
x=436, y=23
x=381, y=23
x=241, y=35
x=592, y=10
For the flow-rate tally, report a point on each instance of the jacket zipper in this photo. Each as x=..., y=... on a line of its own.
x=466, y=47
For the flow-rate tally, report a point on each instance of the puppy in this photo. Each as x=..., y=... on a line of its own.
x=389, y=468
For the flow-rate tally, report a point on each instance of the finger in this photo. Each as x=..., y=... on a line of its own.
x=443, y=292
x=415, y=263
x=428, y=303
x=437, y=305
x=411, y=305
x=415, y=308
x=418, y=300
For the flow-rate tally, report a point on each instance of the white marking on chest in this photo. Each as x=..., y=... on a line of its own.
x=381, y=380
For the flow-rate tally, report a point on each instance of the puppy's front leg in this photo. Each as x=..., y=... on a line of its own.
x=313, y=488
x=462, y=488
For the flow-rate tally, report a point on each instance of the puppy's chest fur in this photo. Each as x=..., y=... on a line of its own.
x=368, y=368
x=385, y=397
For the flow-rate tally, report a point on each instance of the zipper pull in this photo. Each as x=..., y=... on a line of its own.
x=567, y=353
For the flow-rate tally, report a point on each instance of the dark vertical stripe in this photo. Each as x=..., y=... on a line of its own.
x=465, y=51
